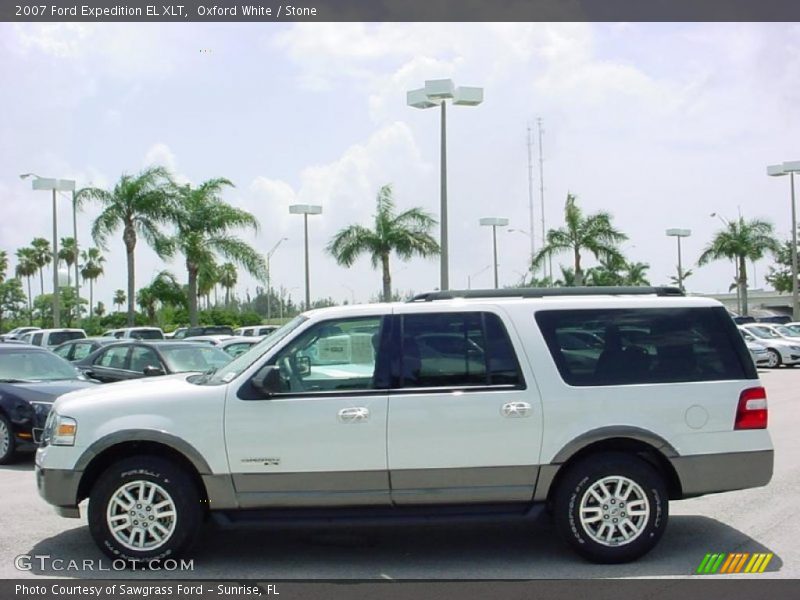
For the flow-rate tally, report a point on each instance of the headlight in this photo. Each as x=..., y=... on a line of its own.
x=795, y=348
x=59, y=430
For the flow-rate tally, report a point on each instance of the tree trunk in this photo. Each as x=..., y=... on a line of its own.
x=192, y=271
x=228, y=297
x=387, y=278
x=129, y=236
x=91, y=298
x=743, y=283
x=41, y=279
x=578, y=271
x=30, y=302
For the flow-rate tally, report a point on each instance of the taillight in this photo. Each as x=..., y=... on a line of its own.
x=752, y=410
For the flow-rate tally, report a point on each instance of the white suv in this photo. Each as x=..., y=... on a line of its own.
x=600, y=406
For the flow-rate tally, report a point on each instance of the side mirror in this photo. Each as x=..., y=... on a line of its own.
x=268, y=381
x=151, y=371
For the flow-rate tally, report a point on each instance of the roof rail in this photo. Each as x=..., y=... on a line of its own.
x=550, y=292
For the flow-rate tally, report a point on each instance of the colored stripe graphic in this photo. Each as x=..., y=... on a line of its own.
x=734, y=562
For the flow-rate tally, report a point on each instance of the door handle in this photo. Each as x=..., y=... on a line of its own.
x=515, y=410
x=356, y=414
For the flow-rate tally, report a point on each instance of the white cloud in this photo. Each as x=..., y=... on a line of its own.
x=161, y=155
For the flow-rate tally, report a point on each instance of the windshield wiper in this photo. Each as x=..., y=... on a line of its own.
x=13, y=380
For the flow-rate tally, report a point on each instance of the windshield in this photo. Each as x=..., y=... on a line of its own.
x=182, y=359
x=34, y=366
x=785, y=331
x=241, y=363
x=763, y=332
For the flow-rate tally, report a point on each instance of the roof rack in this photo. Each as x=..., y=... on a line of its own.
x=550, y=292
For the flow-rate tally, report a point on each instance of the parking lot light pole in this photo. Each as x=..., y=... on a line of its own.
x=305, y=210
x=55, y=185
x=494, y=223
x=269, y=277
x=679, y=233
x=437, y=92
x=790, y=168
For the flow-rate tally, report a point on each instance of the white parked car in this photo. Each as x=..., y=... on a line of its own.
x=135, y=333
x=442, y=404
x=50, y=338
x=781, y=350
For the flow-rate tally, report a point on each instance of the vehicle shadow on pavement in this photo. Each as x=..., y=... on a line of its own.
x=19, y=464
x=486, y=551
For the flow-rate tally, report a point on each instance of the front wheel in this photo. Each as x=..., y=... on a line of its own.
x=144, y=509
x=7, y=441
x=611, y=507
x=774, y=359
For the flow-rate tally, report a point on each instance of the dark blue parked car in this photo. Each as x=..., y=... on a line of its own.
x=31, y=378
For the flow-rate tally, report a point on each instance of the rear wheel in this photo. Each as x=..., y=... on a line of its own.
x=7, y=442
x=144, y=509
x=611, y=507
x=774, y=359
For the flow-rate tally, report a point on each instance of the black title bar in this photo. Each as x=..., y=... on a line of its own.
x=399, y=10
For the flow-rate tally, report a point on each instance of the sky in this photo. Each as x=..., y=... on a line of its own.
x=658, y=124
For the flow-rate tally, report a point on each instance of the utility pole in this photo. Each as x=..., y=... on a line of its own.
x=532, y=226
x=541, y=198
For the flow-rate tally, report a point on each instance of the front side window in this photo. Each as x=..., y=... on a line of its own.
x=114, y=358
x=645, y=346
x=335, y=355
x=456, y=350
x=63, y=351
x=143, y=357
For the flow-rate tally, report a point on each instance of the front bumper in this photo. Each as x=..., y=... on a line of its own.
x=59, y=487
x=711, y=473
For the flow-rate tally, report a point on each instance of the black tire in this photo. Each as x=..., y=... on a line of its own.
x=774, y=354
x=8, y=444
x=170, y=478
x=576, y=484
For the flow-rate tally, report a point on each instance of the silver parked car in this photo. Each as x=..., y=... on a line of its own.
x=781, y=351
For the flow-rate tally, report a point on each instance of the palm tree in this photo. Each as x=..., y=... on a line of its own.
x=407, y=234
x=43, y=256
x=635, y=273
x=68, y=252
x=27, y=267
x=146, y=300
x=3, y=265
x=594, y=233
x=138, y=204
x=741, y=241
x=92, y=269
x=204, y=223
x=207, y=278
x=119, y=298
x=680, y=282
x=227, y=279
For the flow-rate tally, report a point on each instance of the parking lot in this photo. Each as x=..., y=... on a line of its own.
x=758, y=520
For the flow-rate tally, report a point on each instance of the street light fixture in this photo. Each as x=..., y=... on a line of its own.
x=305, y=210
x=56, y=185
x=790, y=168
x=437, y=92
x=679, y=233
x=269, y=277
x=494, y=223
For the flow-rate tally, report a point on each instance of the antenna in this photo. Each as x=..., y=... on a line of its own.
x=532, y=226
x=541, y=198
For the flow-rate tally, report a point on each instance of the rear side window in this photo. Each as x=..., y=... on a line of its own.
x=455, y=350
x=623, y=346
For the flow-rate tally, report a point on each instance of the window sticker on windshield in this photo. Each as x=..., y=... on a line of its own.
x=228, y=377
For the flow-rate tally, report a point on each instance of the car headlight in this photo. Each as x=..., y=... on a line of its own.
x=795, y=348
x=59, y=430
